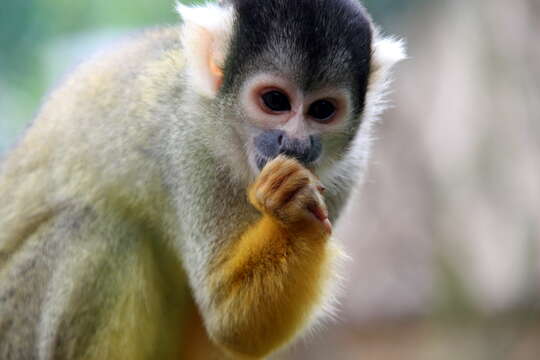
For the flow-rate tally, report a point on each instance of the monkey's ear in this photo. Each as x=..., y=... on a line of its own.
x=206, y=35
x=386, y=53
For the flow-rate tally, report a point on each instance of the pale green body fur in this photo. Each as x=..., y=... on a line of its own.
x=83, y=216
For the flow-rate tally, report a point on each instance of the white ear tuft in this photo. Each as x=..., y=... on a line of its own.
x=205, y=36
x=210, y=16
x=387, y=52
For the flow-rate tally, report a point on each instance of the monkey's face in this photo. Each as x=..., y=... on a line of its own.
x=301, y=78
x=295, y=78
x=282, y=118
x=290, y=77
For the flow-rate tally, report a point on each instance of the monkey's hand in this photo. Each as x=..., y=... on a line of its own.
x=267, y=284
x=292, y=195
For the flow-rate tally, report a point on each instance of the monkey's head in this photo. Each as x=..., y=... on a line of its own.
x=294, y=77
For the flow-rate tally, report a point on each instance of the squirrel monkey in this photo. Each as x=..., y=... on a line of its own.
x=190, y=163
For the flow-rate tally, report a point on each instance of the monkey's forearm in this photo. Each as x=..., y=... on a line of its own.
x=265, y=285
x=268, y=282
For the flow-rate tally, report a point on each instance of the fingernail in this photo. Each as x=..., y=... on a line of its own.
x=319, y=213
x=327, y=226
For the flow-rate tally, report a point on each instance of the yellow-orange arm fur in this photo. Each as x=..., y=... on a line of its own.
x=269, y=281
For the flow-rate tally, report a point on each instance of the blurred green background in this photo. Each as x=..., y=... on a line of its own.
x=445, y=235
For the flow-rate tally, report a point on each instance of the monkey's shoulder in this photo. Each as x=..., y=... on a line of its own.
x=134, y=64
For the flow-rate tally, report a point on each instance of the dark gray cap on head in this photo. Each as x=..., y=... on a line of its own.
x=323, y=42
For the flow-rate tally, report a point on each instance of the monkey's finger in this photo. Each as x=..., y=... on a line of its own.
x=283, y=175
x=277, y=166
x=318, y=208
x=309, y=202
x=322, y=215
x=279, y=188
x=319, y=212
x=289, y=187
x=328, y=226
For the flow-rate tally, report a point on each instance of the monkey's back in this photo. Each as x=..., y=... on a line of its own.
x=91, y=134
x=85, y=169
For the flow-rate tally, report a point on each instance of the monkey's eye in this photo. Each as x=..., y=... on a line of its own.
x=276, y=101
x=322, y=110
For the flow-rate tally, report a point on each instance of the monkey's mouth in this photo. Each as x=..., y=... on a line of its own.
x=261, y=161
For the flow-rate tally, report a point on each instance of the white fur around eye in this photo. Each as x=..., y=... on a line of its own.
x=251, y=102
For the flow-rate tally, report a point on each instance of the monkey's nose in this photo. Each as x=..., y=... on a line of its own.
x=304, y=150
x=272, y=143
